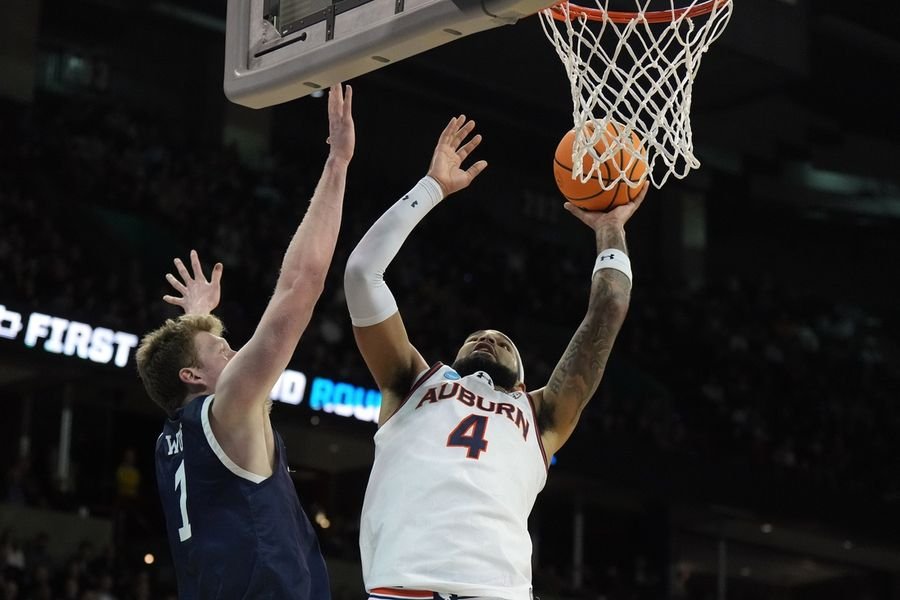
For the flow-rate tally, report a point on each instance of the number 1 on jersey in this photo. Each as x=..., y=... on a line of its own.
x=474, y=441
x=184, y=532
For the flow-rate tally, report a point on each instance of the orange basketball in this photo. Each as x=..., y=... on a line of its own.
x=590, y=195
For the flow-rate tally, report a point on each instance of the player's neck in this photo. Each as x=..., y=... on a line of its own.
x=191, y=397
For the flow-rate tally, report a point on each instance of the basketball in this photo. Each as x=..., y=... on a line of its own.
x=590, y=195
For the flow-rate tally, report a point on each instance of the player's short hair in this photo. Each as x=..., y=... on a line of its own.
x=165, y=351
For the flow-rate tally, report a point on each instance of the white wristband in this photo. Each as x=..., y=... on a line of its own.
x=611, y=258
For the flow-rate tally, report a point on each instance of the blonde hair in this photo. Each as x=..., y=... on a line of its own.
x=165, y=351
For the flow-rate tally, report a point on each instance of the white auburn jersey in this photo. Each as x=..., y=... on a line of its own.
x=457, y=469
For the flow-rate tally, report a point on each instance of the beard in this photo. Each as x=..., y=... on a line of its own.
x=502, y=376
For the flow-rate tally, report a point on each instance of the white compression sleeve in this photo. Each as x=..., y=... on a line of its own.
x=368, y=298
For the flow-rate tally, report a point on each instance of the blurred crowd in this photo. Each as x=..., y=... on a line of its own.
x=29, y=572
x=94, y=203
x=749, y=370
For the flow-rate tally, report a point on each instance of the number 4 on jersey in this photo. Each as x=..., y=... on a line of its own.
x=474, y=441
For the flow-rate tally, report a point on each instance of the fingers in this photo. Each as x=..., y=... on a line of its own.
x=182, y=270
x=456, y=131
x=450, y=152
x=463, y=132
x=338, y=109
x=173, y=281
x=476, y=169
x=173, y=300
x=335, y=101
x=195, y=266
x=640, y=197
x=467, y=149
x=216, y=274
x=348, y=102
x=452, y=127
x=628, y=210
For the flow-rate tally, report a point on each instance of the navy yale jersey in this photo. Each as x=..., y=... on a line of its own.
x=234, y=534
x=457, y=469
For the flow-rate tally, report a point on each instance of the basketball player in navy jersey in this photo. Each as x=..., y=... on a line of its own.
x=234, y=522
x=462, y=451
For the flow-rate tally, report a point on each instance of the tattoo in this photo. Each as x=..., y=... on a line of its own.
x=579, y=371
x=610, y=237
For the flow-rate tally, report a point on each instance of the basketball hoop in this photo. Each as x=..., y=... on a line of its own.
x=635, y=70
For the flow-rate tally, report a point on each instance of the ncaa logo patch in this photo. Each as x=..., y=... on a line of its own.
x=451, y=375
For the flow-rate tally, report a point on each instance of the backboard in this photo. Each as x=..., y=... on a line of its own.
x=278, y=50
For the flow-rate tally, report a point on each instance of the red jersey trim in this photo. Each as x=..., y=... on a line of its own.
x=431, y=371
x=403, y=594
x=537, y=430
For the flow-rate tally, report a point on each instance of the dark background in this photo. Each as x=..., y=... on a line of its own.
x=742, y=444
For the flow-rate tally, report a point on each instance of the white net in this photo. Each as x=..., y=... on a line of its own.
x=633, y=77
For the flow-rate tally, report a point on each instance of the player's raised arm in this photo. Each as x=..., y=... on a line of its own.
x=248, y=378
x=377, y=325
x=578, y=373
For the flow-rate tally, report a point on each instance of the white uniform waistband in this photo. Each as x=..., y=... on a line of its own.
x=405, y=594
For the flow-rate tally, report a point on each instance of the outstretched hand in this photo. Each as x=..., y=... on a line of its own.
x=449, y=154
x=615, y=217
x=341, y=132
x=198, y=296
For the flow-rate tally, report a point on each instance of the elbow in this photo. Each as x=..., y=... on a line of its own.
x=314, y=281
x=308, y=291
x=292, y=305
x=357, y=271
x=309, y=280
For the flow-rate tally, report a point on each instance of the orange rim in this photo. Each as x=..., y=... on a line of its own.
x=659, y=16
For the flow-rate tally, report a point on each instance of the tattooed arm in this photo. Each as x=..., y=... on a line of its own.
x=578, y=373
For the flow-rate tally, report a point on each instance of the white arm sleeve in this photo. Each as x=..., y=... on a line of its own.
x=368, y=298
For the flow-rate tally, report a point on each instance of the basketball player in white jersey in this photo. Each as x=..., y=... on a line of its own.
x=462, y=450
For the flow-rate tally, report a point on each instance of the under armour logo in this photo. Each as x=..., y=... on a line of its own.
x=609, y=256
